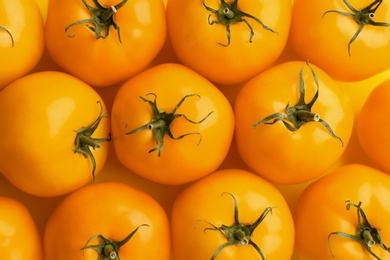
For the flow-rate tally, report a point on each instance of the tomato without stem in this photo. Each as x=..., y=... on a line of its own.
x=228, y=42
x=21, y=39
x=112, y=221
x=354, y=33
x=54, y=133
x=104, y=42
x=231, y=214
x=292, y=122
x=344, y=215
x=171, y=125
x=373, y=128
x=18, y=233
x=43, y=6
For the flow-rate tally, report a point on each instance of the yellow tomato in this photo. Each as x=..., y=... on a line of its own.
x=54, y=128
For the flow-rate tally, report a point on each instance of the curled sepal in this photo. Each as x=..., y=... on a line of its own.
x=229, y=14
x=108, y=249
x=101, y=17
x=161, y=121
x=238, y=234
x=366, y=234
x=363, y=17
x=9, y=33
x=300, y=114
x=84, y=140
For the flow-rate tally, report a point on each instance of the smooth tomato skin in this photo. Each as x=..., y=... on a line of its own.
x=39, y=114
x=105, y=62
x=273, y=151
x=373, y=128
x=204, y=201
x=183, y=160
x=324, y=40
x=321, y=209
x=194, y=40
x=23, y=19
x=113, y=210
x=18, y=233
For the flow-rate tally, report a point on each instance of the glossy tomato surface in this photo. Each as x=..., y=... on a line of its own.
x=21, y=39
x=114, y=211
x=171, y=125
x=210, y=203
x=18, y=232
x=322, y=209
x=373, y=129
x=290, y=146
x=44, y=116
x=202, y=43
x=338, y=36
x=105, y=53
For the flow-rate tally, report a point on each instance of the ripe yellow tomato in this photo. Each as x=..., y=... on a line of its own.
x=340, y=215
x=348, y=39
x=105, y=42
x=53, y=135
x=21, y=39
x=293, y=122
x=108, y=220
x=228, y=42
x=171, y=125
x=18, y=233
x=231, y=214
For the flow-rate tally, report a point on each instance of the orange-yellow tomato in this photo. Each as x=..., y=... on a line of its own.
x=19, y=238
x=234, y=208
x=21, y=39
x=108, y=214
x=373, y=128
x=229, y=48
x=53, y=125
x=171, y=125
x=104, y=42
x=288, y=128
x=330, y=223
x=348, y=39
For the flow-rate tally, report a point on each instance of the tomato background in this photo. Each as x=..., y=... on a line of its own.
x=41, y=208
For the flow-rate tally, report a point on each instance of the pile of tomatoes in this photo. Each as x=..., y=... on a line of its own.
x=205, y=129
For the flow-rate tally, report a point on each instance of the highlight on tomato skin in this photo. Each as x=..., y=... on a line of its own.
x=54, y=139
x=21, y=39
x=171, y=125
x=351, y=204
x=19, y=234
x=292, y=129
x=231, y=47
x=213, y=217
